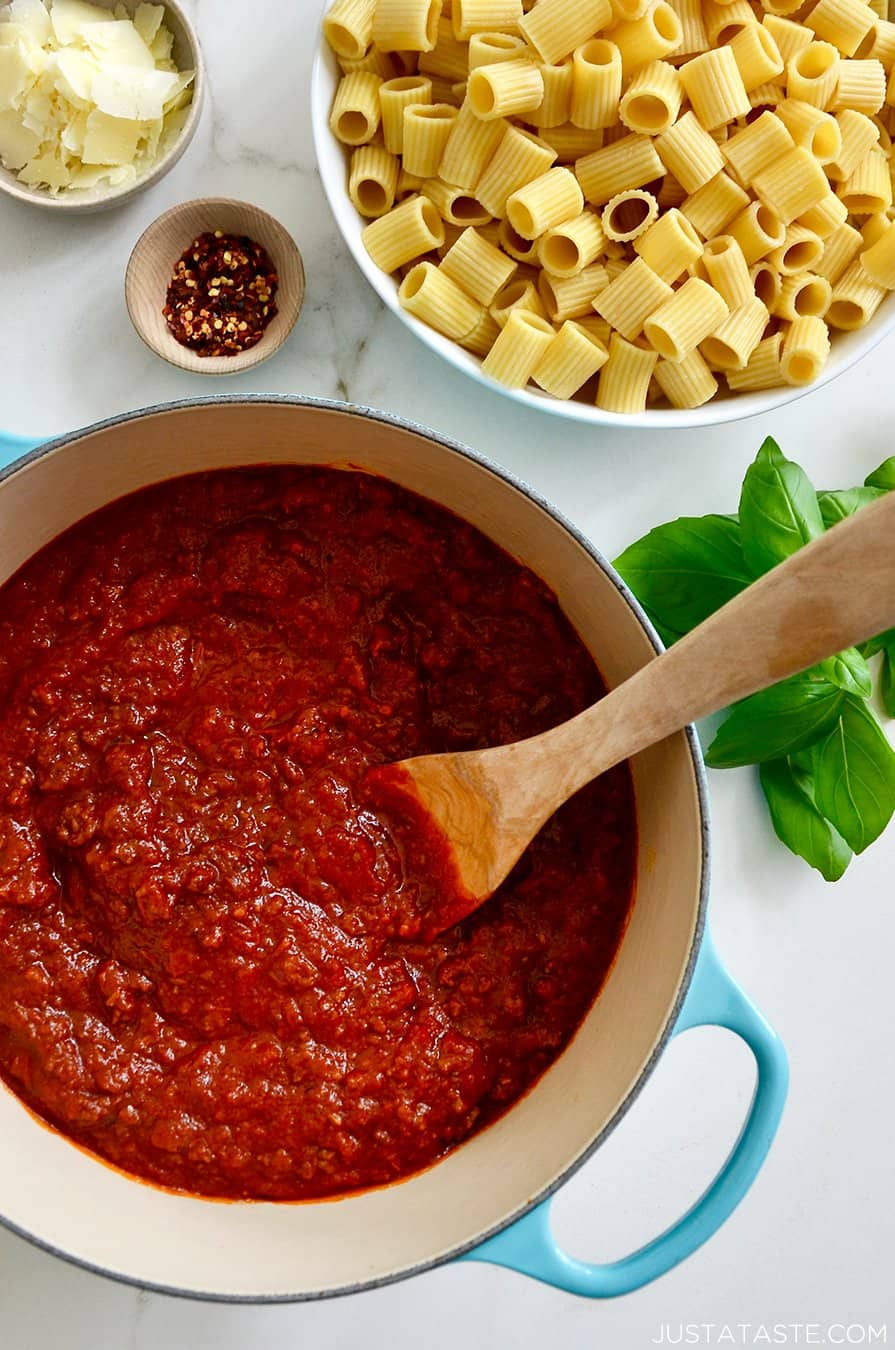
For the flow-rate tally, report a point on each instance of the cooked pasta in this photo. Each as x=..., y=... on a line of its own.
x=521, y=345
x=596, y=85
x=632, y=201
x=571, y=359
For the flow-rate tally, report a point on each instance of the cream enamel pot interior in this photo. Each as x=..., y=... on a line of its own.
x=67, y=1201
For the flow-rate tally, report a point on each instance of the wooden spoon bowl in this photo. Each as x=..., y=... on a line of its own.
x=152, y=263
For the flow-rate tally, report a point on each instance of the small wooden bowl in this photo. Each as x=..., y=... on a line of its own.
x=152, y=264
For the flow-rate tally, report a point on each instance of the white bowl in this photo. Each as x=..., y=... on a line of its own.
x=188, y=56
x=847, y=348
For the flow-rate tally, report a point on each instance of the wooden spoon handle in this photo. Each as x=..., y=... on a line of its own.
x=835, y=592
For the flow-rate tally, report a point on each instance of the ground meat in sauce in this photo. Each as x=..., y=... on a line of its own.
x=199, y=976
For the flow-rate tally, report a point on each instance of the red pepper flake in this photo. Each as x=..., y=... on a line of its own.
x=222, y=295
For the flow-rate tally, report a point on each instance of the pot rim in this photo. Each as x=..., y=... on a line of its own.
x=613, y=577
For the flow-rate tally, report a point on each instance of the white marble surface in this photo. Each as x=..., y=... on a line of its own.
x=813, y=1242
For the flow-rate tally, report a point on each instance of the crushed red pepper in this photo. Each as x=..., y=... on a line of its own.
x=222, y=294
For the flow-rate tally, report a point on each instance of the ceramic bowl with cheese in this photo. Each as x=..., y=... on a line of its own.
x=95, y=107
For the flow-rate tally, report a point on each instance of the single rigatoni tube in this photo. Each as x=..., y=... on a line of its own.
x=374, y=62
x=806, y=346
x=714, y=86
x=800, y=251
x=570, y=247
x=790, y=37
x=483, y=337
x=844, y=23
x=874, y=228
x=596, y=84
x=767, y=284
x=757, y=56
x=731, y=345
x=859, y=135
x=477, y=266
x=554, y=28
x=570, y=142
x=505, y=89
x=782, y=7
x=861, y=87
x=469, y=148
x=869, y=188
x=878, y=261
x=725, y=19
x=631, y=162
x=449, y=58
x=484, y=16
x=629, y=300
x=570, y=297
x=687, y=383
x=572, y=358
x=348, y=27
x=512, y=243
x=714, y=205
x=756, y=146
x=829, y=213
x=521, y=293
x=757, y=230
x=880, y=44
x=839, y=251
x=813, y=74
x=625, y=378
x=856, y=298
x=394, y=97
x=762, y=371
x=688, y=152
x=487, y=49
x=545, y=202
x=803, y=296
x=669, y=246
x=686, y=319
x=453, y=204
x=355, y=115
x=727, y=270
x=812, y=128
x=652, y=100
x=373, y=180
x=519, y=158
x=556, y=106
x=656, y=35
x=792, y=184
x=629, y=214
x=426, y=131
x=406, y=232
x=694, y=38
x=406, y=25
x=522, y=343
x=429, y=294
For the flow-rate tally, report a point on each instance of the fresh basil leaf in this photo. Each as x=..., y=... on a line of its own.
x=683, y=571
x=798, y=823
x=855, y=776
x=776, y=722
x=836, y=506
x=848, y=671
x=778, y=510
x=884, y=476
x=887, y=681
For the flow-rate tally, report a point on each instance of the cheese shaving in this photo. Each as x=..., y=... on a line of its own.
x=89, y=97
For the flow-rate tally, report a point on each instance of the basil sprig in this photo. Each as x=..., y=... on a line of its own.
x=826, y=768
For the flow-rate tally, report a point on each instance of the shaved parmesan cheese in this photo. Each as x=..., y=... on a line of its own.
x=88, y=96
x=17, y=143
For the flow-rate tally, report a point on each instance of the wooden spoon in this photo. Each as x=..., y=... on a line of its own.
x=485, y=806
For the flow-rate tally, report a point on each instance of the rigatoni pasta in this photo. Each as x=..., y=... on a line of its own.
x=625, y=200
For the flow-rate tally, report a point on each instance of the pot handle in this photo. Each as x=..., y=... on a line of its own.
x=13, y=446
x=528, y=1246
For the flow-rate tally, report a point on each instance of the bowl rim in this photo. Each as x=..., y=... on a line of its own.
x=240, y=362
x=92, y=201
x=603, y=565
x=718, y=411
